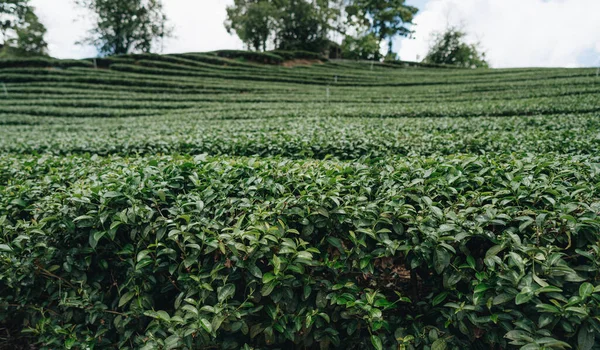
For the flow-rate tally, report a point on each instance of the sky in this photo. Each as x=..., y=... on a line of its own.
x=514, y=33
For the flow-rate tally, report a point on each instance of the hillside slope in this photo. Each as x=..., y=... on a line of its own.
x=191, y=102
x=193, y=201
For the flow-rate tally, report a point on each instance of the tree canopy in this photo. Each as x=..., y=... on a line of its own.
x=20, y=29
x=284, y=24
x=307, y=25
x=125, y=26
x=253, y=22
x=360, y=47
x=385, y=19
x=450, y=47
x=304, y=26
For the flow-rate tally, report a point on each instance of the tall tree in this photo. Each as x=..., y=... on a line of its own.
x=302, y=27
x=385, y=18
x=450, y=47
x=21, y=29
x=284, y=24
x=253, y=21
x=126, y=26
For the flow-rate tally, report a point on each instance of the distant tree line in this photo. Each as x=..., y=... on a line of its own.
x=307, y=25
x=129, y=26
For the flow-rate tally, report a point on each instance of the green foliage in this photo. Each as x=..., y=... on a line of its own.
x=21, y=31
x=365, y=47
x=212, y=59
x=271, y=57
x=195, y=201
x=288, y=25
x=44, y=62
x=124, y=26
x=396, y=61
x=191, y=252
x=299, y=54
x=451, y=48
x=253, y=22
x=383, y=18
x=303, y=26
x=259, y=57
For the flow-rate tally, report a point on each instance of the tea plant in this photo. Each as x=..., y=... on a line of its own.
x=193, y=201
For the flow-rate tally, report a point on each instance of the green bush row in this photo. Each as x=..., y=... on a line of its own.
x=259, y=57
x=328, y=75
x=42, y=62
x=292, y=134
x=161, y=252
x=420, y=64
x=216, y=60
x=171, y=70
x=292, y=55
x=21, y=94
x=106, y=62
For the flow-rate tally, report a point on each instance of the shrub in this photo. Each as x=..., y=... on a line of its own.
x=42, y=62
x=259, y=57
x=420, y=64
x=212, y=58
x=194, y=252
x=299, y=55
x=106, y=62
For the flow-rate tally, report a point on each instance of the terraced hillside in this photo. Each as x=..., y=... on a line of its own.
x=192, y=201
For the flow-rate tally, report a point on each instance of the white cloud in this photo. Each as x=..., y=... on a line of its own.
x=516, y=33
x=198, y=26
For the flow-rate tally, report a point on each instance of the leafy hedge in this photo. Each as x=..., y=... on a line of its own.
x=212, y=58
x=42, y=62
x=457, y=252
x=106, y=62
x=291, y=135
x=293, y=55
x=259, y=57
x=420, y=64
x=494, y=248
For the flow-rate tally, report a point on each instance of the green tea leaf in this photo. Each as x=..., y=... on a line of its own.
x=125, y=298
x=441, y=260
x=439, y=344
x=376, y=341
x=586, y=290
x=585, y=339
x=439, y=298
x=225, y=292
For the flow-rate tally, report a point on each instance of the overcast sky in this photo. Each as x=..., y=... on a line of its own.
x=514, y=33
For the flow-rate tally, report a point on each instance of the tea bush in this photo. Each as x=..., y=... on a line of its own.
x=299, y=54
x=42, y=62
x=194, y=201
x=169, y=252
x=259, y=57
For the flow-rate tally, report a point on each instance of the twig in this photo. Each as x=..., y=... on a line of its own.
x=50, y=274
